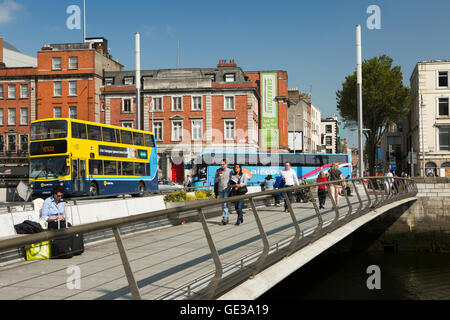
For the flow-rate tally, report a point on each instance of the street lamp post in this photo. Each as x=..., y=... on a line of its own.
x=359, y=98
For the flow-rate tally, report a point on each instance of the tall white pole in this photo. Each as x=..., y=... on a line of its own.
x=138, y=81
x=84, y=21
x=423, y=135
x=359, y=98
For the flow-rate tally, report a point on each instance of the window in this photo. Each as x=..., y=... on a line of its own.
x=108, y=135
x=329, y=150
x=443, y=107
x=95, y=167
x=138, y=138
x=127, y=169
x=11, y=91
x=73, y=112
x=126, y=105
x=158, y=130
x=11, y=117
x=57, y=112
x=72, y=88
x=229, y=103
x=149, y=140
x=139, y=169
x=229, y=129
x=230, y=77
x=109, y=81
x=444, y=138
x=177, y=104
x=196, y=103
x=23, y=91
x=2, y=143
x=78, y=130
x=212, y=76
x=177, y=130
x=126, y=137
x=94, y=132
x=73, y=62
x=24, y=143
x=157, y=104
x=1, y=92
x=110, y=168
x=328, y=129
x=23, y=116
x=443, y=79
x=197, y=130
x=2, y=116
x=329, y=140
x=128, y=81
x=127, y=124
x=56, y=63
x=57, y=91
x=12, y=143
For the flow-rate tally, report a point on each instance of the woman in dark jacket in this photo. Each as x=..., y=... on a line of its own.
x=238, y=179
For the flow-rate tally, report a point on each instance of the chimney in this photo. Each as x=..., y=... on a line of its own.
x=224, y=63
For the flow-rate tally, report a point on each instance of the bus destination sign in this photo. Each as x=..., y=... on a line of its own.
x=48, y=147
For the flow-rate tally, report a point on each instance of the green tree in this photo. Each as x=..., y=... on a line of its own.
x=385, y=101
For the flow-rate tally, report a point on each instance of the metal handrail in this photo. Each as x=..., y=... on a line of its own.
x=298, y=240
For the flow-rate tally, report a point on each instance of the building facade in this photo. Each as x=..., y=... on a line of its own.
x=429, y=120
x=330, y=134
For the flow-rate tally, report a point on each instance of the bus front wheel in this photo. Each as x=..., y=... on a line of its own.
x=93, y=189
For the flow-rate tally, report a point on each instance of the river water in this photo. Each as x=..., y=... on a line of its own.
x=403, y=276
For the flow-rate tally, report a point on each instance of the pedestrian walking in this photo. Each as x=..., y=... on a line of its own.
x=268, y=184
x=334, y=174
x=238, y=187
x=290, y=179
x=221, y=180
x=322, y=190
x=279, y=184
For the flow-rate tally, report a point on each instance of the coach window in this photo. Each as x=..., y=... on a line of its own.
x=126, y=137
x=147, y=169
x=95, y=167
x=78, y=130
x=109, y=135
x=94, y=132
x=127, y=169
x=138, y=138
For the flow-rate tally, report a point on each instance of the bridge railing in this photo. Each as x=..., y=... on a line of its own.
x=371, y=193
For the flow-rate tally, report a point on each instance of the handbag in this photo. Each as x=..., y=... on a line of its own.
x=38, y=251
x=239, y=192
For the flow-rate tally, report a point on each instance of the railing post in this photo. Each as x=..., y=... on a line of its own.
x=126, y=265
x=298, y=232
x=211, y=288
x=375, y=193
x=369, y=204
x=259, y=263
x=333, y=203
x=359, y=197
x=316, y=233
x=350, y=208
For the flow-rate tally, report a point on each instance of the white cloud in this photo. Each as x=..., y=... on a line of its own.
x=7, y=10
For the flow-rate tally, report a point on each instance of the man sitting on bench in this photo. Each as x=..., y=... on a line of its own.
x=53, y=209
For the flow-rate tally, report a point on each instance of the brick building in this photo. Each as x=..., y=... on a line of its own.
x=63, y=81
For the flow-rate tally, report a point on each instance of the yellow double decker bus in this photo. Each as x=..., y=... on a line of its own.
x=89, y=158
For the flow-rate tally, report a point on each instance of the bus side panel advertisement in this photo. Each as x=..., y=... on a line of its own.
x=269, y=111
x=119, y=152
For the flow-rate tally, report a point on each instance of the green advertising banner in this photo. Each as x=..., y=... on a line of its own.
x=269, y=111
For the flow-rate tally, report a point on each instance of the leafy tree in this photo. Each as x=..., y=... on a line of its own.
x=385, y=101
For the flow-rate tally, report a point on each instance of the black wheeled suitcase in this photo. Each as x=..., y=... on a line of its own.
x=78, y=244
x=61, y=248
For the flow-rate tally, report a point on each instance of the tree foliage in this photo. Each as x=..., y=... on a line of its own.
x=385, y=101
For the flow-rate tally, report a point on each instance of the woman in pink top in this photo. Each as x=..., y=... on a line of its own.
x=322, y=190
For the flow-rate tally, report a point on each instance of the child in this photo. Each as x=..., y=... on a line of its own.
x=322, y=190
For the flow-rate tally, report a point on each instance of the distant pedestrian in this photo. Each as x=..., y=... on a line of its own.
x=221, y=179
x=188, y=182
x=279, y=184
x=334, y=174
x=290, y=179
x=322, y=190
x=238, y=180
x=268, y=184
x=388, y=182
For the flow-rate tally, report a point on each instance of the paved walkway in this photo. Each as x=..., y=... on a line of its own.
x=162, y=260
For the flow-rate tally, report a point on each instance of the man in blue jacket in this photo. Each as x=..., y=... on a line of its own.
x=279, y=184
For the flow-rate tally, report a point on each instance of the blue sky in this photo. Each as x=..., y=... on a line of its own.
x=314, y=41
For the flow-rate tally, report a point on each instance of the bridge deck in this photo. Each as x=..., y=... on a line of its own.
x=162, y=260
